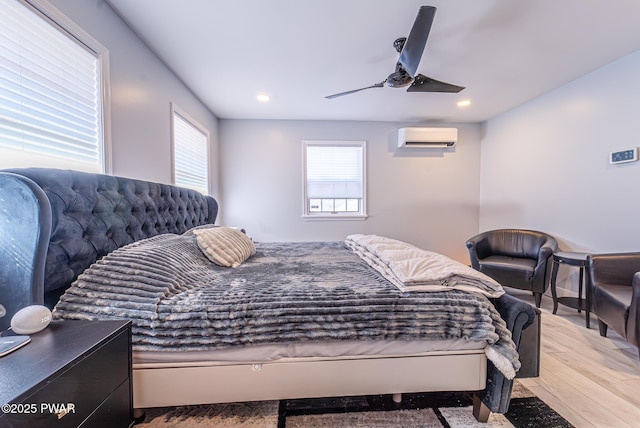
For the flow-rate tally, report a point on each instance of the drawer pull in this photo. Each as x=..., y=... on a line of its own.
x=59, y=409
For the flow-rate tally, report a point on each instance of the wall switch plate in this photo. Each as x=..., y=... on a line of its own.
x=626, y=155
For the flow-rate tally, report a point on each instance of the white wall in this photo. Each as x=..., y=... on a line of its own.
x=142, y=88
x=545, y=164
x=426, y=197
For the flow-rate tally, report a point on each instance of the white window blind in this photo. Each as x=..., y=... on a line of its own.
x=190, y=153
x=50, y=94
x=334, y=178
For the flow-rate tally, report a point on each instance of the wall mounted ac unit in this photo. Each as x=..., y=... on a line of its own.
x=427, y=137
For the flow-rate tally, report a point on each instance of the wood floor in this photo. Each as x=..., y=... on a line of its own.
x=590, y=380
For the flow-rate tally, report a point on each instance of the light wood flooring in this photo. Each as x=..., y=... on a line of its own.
x=591, y=381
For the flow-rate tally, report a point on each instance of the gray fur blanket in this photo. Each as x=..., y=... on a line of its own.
x=287, y=292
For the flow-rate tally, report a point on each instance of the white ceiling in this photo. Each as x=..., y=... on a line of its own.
x=504, y=52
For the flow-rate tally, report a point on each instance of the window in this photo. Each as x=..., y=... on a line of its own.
x=52, y=81
x=334, y=182
x=190, y=152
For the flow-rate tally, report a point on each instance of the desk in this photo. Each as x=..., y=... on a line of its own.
x=577, y=260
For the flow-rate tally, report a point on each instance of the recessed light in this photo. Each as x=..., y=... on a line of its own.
x=263, y=98
x=464, y=103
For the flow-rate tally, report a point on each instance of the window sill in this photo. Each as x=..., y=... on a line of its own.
x=333, y=217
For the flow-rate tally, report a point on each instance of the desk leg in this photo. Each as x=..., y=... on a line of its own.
x=554, y=294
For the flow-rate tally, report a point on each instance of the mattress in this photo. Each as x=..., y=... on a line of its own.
x=270, y=353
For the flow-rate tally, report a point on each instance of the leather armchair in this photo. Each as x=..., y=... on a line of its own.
x=613, y=281
x=515, y=258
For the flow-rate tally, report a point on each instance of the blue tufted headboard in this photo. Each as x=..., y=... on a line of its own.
x=94, y=214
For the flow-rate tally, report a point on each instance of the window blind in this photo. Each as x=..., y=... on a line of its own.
x=190, y=161
x=334, y=171
x=50, y=98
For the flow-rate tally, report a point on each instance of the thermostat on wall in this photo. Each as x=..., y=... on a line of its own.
x=626, y=155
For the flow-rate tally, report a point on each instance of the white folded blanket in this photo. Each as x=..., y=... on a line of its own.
x=413, y=269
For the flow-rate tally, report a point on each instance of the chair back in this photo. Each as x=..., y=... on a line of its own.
x=519, y=243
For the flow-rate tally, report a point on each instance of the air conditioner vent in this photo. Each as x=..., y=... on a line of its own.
x=427, y=137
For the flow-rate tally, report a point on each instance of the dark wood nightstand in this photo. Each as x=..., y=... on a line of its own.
x=73, y=373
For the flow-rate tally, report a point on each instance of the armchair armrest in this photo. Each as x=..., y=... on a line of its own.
x=543, y=258
x=479, y=248
x=542, y=269
x=545, y=252
x=633, y=323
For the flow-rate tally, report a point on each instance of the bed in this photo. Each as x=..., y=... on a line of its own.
x=363, y=335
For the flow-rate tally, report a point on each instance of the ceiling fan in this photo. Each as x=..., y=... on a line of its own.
x=410, y=50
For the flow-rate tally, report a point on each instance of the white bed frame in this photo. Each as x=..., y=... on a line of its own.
x=205, y=383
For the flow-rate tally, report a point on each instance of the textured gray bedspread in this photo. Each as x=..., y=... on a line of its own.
x=287, y=292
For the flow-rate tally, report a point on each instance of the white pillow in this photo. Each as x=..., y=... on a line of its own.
x=225, y=246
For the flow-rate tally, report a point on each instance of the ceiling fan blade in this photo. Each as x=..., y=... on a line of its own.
x=377, y=85
x=423, y=83
x=417, y=40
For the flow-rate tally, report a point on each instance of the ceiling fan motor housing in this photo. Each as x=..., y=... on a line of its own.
x=399, y=79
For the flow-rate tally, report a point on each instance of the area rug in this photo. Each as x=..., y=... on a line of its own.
x=379, y=411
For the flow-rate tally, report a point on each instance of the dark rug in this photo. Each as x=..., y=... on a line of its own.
x=416, y=410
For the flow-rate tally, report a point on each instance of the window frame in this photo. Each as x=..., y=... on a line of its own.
x=341, y=215
x=76, y=34
x=175, y=110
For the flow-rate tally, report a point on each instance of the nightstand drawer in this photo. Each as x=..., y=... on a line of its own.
x=73, y=394
x=114, y=412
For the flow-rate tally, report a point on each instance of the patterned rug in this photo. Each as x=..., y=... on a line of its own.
x=415, y=411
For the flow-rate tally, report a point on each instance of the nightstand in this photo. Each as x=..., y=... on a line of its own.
x=73, y=373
